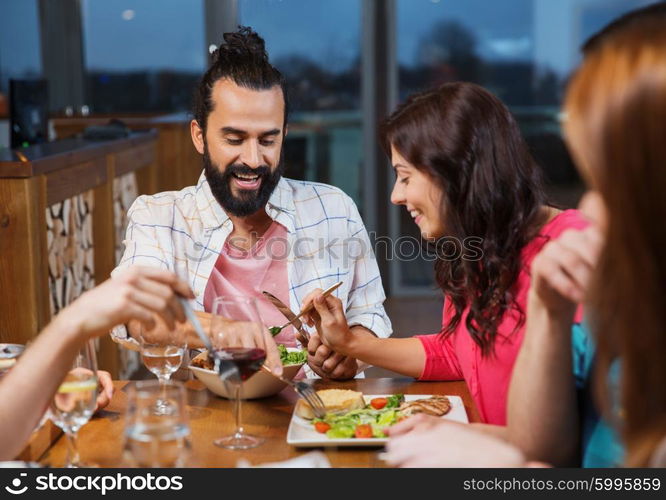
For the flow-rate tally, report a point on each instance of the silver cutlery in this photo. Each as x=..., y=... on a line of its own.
x=306, y=391
x=289, y=314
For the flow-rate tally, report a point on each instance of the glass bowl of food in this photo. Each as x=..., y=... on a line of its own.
x=259, y=385
x=9, y=354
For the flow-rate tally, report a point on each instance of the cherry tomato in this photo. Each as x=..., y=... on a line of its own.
x=322, y=427
x=363, y=431
x=378, y=403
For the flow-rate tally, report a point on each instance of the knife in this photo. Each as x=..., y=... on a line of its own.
x=302, y=334
x=293, y=318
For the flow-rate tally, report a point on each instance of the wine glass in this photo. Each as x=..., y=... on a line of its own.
x=234, y=318
x=162, y=353
x=157, y=440
x=76, y=399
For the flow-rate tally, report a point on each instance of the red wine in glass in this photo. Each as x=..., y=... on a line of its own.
x=248, y=360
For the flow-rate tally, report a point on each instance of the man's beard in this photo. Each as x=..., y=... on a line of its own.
x=248, y=201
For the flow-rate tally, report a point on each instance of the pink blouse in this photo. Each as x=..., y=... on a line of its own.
x=459, y=357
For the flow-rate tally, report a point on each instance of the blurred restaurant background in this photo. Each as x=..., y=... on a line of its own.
x=70, y=67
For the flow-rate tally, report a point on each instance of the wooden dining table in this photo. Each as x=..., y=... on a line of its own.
x=100, y=441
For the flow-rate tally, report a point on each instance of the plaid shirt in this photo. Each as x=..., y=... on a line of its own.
x=184, y=231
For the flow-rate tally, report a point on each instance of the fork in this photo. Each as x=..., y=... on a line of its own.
x=304, y=390
x=302, y=334
x=275, y=330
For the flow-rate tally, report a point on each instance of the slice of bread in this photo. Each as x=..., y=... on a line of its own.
x=7, y=363
x=335, y=400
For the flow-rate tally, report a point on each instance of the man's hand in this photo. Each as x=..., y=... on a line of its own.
x=329, y=364
x=162, y=330
x=329, y=350
x=228, y=333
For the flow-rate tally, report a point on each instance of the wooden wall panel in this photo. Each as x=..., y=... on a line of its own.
x=104, y=242
x=135, y=158
x=24, y=308
x=68, y=182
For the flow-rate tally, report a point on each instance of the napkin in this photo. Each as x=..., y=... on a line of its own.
x=312, y=460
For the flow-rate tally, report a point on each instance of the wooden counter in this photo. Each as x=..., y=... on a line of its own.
x=179, y=161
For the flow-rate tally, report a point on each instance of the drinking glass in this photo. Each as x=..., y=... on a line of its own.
x=76, y=399
x=162, y=353
x=152, y=439
x=235, y=318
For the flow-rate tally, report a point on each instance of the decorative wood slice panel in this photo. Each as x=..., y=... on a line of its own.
x=71, y=260
x=125, y=191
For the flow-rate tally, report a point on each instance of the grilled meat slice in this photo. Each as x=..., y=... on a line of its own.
x=435, y=405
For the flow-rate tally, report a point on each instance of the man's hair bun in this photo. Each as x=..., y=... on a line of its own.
x=242, y=43
x=241, y=58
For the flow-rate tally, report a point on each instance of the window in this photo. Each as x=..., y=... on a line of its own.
x=321, y=63
x=521, y=50
x=20, y=53
x=142, y=56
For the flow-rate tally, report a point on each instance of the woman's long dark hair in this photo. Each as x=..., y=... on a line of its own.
x=468, y=142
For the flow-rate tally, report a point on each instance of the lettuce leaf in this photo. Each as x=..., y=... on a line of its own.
x=395, y=400
x=292, y=358
x=340, y=432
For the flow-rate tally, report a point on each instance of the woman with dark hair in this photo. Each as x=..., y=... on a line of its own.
x=463, y=171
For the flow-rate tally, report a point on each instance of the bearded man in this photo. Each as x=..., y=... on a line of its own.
x=244, y=228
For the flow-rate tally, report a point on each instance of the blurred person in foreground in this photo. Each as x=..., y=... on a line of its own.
x=27, y=389
x=616, y=109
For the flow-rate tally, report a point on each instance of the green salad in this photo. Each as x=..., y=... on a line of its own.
x=292, y=358
x=368, y=422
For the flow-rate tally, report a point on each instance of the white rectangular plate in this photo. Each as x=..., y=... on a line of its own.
x=301, y=432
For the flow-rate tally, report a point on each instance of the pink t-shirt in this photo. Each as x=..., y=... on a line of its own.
x=248, y=273
x=459, y=357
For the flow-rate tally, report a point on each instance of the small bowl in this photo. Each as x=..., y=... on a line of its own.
x=8, y=355
x=259, y=385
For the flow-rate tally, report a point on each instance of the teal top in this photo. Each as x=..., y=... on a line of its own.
x=601, y=445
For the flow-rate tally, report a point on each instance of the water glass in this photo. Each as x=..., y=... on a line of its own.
x=162, y=354
x=75, y=400
x=152, y=439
